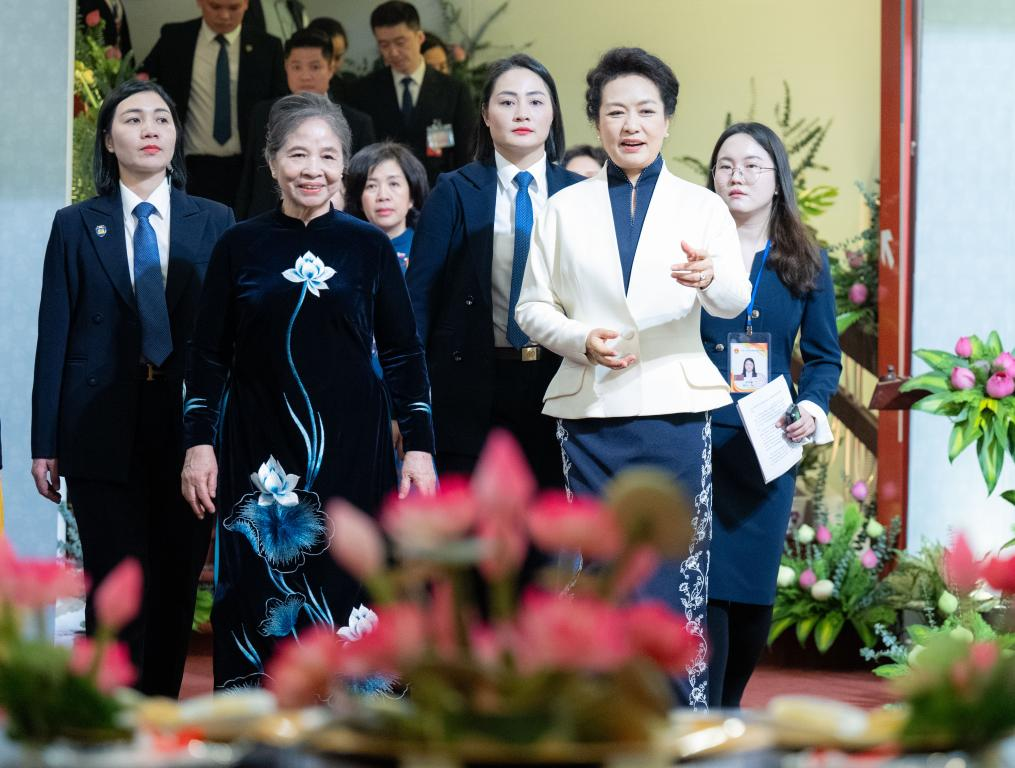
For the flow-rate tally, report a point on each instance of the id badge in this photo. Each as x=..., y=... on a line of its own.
x=748, y=360
x=439, y=136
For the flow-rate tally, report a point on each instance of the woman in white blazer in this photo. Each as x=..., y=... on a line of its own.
x=620, y=266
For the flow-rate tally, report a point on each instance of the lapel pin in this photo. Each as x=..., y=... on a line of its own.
x=100, y=230
x=248, y=48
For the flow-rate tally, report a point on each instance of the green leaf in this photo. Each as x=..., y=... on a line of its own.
x=991, y=457
x=804, y=627
x=935, y=381
x=963, y=435
x=941, y=361
x=846, y=319
x=867, y=636
x=945, y=403
x=778, y=627
x=994, y=345
x=919, y=633
x=1009, y=496
x=891, y=670
x=828, y=629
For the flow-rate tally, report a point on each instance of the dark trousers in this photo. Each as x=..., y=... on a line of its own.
x=739, y=633
x=517, y=407
x=216, y=178
x=147, y=518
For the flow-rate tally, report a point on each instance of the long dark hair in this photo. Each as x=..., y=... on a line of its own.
x=554, y=141
x=795, y=255
x=105, y=167
x=370, y=157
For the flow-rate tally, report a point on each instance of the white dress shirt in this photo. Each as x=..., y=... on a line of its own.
x=414, y=86
x=198, y=139
x=159, y=221
x=504, y=236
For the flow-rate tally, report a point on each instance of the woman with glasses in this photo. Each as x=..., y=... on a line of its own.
x=791, y=293
x=620, y=268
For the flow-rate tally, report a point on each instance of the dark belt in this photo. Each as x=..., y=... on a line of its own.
x=525, y=354
x=149, y=372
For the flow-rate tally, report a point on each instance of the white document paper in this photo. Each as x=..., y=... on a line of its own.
x=760, y=412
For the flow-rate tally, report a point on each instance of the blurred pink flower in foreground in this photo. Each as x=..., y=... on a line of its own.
x=118, y=597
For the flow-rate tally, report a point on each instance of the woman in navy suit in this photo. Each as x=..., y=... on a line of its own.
x=121, y=280
x=792, y=293
x=465, y=271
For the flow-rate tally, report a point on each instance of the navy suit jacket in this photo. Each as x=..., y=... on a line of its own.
x=449, y=279
x=85, y=396
x=262, y=74
x=783, y=314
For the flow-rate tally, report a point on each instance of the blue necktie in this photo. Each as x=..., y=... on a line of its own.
x=406, y=100
x=523, y=231
x=222, y=128
x=149, y=290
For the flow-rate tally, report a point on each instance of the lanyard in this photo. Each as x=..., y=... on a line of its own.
x=754, y=293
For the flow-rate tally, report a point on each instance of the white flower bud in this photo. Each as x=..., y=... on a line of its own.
x=786, y=577
x=805, y=534
x=947, y=603
x=822, y=590
x=962, y=634
x=874, y=528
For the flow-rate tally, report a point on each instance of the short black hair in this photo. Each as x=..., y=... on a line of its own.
x=310, y=38
x=618, y=62
x=555, y=139
x=105, y=167
x=430, y=40
x=393, y=13
x=584, y=150
x=368, y=158
x=329, y=26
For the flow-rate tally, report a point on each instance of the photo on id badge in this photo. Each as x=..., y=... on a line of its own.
x=748, y=366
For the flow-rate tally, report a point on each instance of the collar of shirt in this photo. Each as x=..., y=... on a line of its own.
x=207, y=35
x=506, y=172
x=417, y=78
x=618, y=177
x=159, y=198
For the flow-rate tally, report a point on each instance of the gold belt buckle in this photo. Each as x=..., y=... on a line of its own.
x=529, y=354
x=151, y=372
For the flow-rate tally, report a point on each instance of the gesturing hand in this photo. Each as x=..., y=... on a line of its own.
x=600, y=353
x=199, y=479
x=697, y=272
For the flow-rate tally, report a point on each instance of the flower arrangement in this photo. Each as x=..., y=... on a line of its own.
x=973, y=387
x=855, y=272
x=98, y=69
x=48, y=691
x=450, y=651
x=831, y=574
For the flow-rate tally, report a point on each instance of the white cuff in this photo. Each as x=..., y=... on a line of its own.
x=822, y=429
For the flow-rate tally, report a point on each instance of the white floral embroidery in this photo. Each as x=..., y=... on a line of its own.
x=275, y=485
x=311, y=270
x=695, y=571
x=362, y=621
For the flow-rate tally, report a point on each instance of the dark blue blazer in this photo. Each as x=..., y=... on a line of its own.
x=449, y=284
x=783, y=314
x=85, y=396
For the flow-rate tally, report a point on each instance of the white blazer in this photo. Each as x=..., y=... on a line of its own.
x=573, y=284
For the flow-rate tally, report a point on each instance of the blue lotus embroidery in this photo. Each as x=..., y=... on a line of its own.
x=311, y=270
x=282, y=616
x=275, y=485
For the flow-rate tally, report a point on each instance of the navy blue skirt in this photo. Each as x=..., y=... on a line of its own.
x=594, y=450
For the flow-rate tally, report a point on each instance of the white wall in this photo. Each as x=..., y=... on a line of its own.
x=964, y=270
x=34, y=183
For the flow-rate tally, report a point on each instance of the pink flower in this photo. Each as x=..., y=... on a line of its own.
x=580, y=633
x=503, y=484
x=807, y=579
x=118, y=597
x=1000, y=385
x=582, y=525
x=143, y=76
x=504, y=548
x=357, y=544
x=1005, y=362
x=868, y=559
x=112, y=52
x=92, y=19
x=1000, y=574
x=963, y=378
x=659, y=634
x=31, y=583
x=113, y=669
x=824, y=536
x=855, y=259
x=642, y=563
x=858, y=293
x=983, y=656
x=300, y=673
x=964, y=347
x=418, y=523
x=458, y=53
x=398, y=640
x=859, y=491
x=961, y=569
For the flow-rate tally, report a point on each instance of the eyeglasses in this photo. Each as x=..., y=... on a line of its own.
x=724, y=172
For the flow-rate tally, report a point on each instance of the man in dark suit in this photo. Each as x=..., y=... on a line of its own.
x=216, y=70
x=121, y=280
x=340, y=81
x=308, y=67
x=431, y=113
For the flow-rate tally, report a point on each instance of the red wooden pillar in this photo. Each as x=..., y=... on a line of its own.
x=898, y=99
